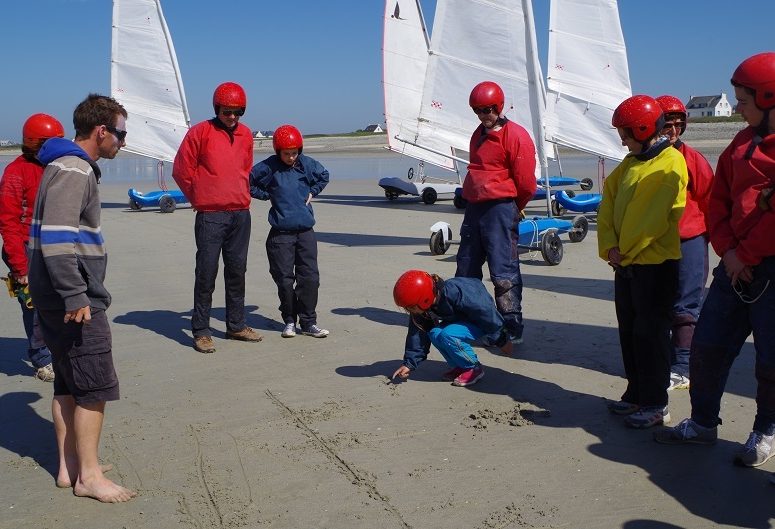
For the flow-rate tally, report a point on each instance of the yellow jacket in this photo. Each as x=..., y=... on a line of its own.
x=643, y=200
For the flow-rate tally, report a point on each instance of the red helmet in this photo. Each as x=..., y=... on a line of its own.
x=40, y=127
x=640, y=114
x=758, y=74
x=485, y=94
x=673, y=105
x=229, y=95
x=287, y=137
x=414, y=289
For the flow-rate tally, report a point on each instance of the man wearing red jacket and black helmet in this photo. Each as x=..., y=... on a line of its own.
x=499, y=184
x=211, y=168
x=18, y=189
x=741, y=298
x=693, y=230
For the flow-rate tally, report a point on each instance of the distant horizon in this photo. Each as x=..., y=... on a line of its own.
x=334, y=83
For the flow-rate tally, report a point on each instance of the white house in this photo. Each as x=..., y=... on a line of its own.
x=376, y=129
x=704, y=106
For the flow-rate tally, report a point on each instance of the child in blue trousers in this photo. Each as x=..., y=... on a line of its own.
x=450, y=314
x=290, y=180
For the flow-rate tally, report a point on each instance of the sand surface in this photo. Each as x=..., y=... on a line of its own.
x=307, y=433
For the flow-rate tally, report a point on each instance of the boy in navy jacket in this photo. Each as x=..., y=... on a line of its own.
x=451, y=315
x=290, y=180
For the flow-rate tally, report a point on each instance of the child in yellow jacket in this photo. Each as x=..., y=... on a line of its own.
x=643, y=200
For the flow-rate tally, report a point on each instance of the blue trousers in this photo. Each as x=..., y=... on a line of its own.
x=293, y=264
x=489, y=233
x=692, y=276
x=454, y=343
x=217, y=232
x=37, y=352
x=726, y=320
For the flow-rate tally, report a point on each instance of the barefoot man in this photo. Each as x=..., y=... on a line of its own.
x=66, y=275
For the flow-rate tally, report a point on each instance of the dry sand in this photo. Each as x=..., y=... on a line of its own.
x=307, y=433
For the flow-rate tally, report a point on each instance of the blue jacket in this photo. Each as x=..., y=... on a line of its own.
x=458, y=299
x=288, y=188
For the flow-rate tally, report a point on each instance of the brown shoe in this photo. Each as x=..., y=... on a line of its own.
x=245, y=335
x=204, y=344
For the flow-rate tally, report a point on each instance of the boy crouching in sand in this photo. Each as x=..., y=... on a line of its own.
x=450, y=314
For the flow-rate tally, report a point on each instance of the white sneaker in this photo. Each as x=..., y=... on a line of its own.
x=678, y=382
x=314, y=331
x=289, y=331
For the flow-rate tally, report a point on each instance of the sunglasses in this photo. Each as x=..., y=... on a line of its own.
x=239, y=112
x=486, y=110
x=120, y=134
x=678, y=125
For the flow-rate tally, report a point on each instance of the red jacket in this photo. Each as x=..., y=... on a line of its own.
x=735, y=220
x=212, y=167
x=17, y=199
x=502, y=165
x=694, y=221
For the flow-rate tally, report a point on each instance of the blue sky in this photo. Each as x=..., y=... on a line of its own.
x=317, y=64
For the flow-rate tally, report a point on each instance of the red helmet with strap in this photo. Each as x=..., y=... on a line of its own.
x=40, y=127
x=485, y=94
x=287, y=137
x=641, y=114
x=229, y=94
x=673, y=105
x=414, y=289
x=758, y=73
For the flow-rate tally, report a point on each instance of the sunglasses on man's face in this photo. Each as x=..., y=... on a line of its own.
x=120, y=134
x=238, y=112
x=486, y=110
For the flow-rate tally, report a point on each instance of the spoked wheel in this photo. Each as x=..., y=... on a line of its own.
x=551, y=247
x=410, y=173
x=429, y=195
x=134, y=205
x=586, y=184
x=166, y=204
x=580, y=229
x=437, y=244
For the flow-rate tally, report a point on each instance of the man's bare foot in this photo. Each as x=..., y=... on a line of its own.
x=104, y=490
x=65, y=482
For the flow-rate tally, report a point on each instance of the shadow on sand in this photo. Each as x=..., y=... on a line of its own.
x=701, y=478
x=176, y=325
x=24, y=432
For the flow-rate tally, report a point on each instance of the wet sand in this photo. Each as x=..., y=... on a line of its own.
x=304, y=432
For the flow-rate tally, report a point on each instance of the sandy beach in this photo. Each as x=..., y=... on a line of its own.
x=309, y=433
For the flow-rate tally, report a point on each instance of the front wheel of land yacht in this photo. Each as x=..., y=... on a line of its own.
x=166, y=204
x=557, y=209
x=390, y=195
x=579, y=230
x=134, y=206
x=429, y=195
x=586, y=184
x=437, y=243
x=551, y=247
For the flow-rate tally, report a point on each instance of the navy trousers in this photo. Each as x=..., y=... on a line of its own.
x=692, y=276
x=293, y=264
x=489, y=233
x=216, y=233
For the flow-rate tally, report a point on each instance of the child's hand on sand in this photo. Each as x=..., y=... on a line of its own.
x=402, y=373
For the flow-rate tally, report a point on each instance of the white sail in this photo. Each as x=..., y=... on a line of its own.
x=405, y=58
x=587, y=76
x=475, y=41
x=145, y=79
